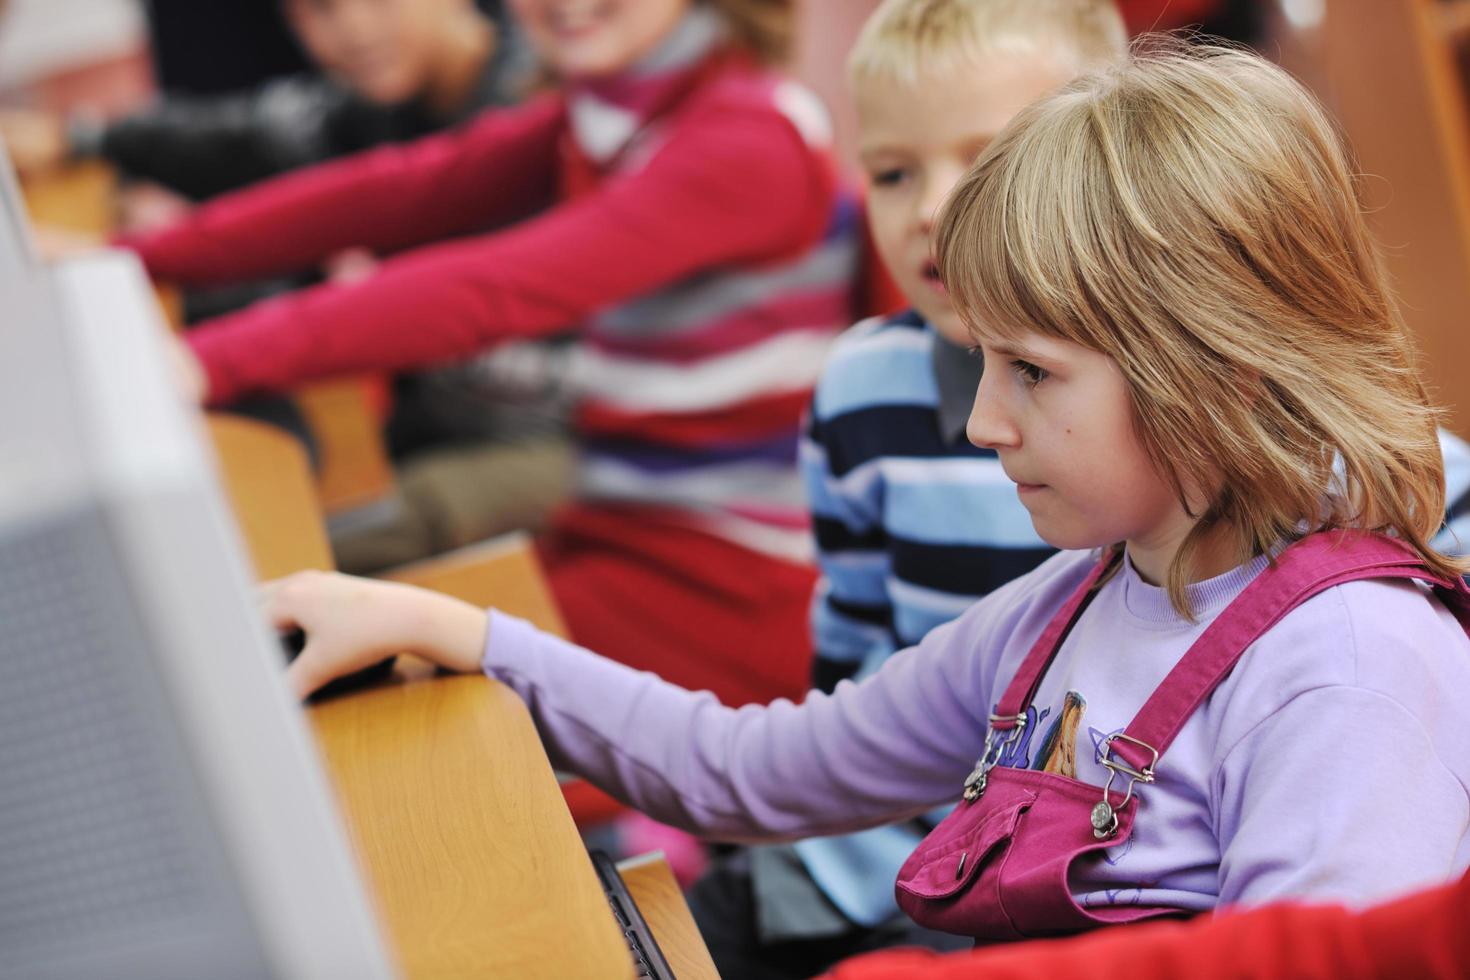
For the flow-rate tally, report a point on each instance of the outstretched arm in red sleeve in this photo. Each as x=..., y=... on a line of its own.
x=1424, y=936
x=733, y=184
x=497, y=169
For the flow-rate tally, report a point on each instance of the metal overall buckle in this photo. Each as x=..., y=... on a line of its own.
x=1104, y=814
x=990, y=756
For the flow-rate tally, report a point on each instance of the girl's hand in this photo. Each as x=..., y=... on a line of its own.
x=352, y=623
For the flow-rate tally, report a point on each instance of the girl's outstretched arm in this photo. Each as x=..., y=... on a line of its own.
x=891, y=747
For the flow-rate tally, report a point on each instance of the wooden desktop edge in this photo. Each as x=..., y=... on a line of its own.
x=653, y=886
x=492, y=880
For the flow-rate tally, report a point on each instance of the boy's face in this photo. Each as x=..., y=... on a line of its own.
x=915, y=142
x=384, y=50
x=593, y=38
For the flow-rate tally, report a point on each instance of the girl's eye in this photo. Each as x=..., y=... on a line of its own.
x=888, y=178
x=1029, y=372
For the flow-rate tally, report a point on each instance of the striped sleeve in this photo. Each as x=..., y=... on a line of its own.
x=851, y=617
x=1454, y=538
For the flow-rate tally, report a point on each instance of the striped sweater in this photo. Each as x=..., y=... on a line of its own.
x=707, y=263
x=913, y=523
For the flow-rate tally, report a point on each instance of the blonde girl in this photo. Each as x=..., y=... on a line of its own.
x=1192, y=370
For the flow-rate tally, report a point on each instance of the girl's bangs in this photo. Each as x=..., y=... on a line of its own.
x=1006, y=246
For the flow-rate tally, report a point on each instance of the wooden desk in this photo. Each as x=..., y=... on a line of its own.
x=79, y=197
x=268, y=480
x=474, y=858
x=653, y=887
x=456, y=815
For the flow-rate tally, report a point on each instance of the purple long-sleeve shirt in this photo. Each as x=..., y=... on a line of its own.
x=1332, y=763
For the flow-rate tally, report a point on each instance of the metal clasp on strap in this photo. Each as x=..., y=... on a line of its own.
x=990, y=755
x=1104, y=814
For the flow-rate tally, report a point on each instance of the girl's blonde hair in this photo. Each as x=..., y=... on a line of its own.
x=1191, y=214
x=764, y=27
x=906, y=41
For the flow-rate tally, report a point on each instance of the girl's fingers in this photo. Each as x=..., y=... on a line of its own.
x=307, y=672
x=277, y=613
x=284, y=601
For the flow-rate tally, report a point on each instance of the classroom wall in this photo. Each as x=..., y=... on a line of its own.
x=40, y=37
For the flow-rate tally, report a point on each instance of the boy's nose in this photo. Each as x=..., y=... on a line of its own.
x=928, y=212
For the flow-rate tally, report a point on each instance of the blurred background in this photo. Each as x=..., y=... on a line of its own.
x=1393, y=71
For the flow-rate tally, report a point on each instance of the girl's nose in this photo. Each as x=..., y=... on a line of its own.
x=991, y=425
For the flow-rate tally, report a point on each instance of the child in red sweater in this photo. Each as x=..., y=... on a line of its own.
x=688, y=224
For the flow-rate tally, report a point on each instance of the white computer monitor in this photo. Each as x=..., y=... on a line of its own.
x=163, y=811
x=17, y=246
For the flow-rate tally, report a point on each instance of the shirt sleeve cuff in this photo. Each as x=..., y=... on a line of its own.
x=507, y=642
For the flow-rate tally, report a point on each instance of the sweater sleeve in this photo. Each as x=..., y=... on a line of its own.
x=497, y=169
x=729, y=186
x=1340, y=794
x=1419, y=936
x=890, y=747
x=205, y=146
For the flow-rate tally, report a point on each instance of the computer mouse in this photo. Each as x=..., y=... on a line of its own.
x=294, y=641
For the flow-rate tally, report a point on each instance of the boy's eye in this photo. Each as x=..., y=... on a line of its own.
x=1029, y=372
x=890, y=177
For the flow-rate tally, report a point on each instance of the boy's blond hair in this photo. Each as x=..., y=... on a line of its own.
x=908, y=41
x=1191, y=214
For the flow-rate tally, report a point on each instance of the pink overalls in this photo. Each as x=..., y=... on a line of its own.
x=996, y=867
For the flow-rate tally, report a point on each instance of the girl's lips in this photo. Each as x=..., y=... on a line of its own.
x=1029, y=487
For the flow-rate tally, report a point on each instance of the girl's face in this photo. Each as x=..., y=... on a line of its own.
x=592, y=38
x=1061, y=419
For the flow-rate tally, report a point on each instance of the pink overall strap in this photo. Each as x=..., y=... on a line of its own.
x=1022, y=688
x=1309, y=566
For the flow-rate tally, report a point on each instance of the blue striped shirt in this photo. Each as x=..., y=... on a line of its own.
x=1455, y=537
x=913, y=524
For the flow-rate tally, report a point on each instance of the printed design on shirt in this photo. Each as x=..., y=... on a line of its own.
x=1098, y=738
x=1130, y=895
x=1017, y=754
x=1058, y=750
x=1057, y=753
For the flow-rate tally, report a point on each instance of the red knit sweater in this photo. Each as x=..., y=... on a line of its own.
x=1426, y=935
x=734, y=183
